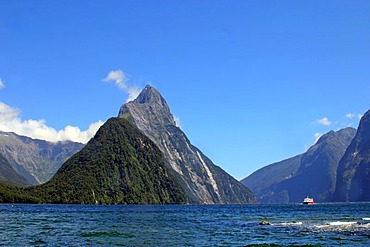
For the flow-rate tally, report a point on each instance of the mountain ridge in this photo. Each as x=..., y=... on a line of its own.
x=311, y=173
x=36, y=160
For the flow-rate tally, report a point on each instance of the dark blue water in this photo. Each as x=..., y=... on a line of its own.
x=174, y=225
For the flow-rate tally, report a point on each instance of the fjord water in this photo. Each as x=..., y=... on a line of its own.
x=184, y=225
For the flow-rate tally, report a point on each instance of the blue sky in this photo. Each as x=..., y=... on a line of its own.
x=251, y=82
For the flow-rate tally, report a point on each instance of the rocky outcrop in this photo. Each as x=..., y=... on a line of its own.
x=353, y=178
x=36, y=160
x=313, y=173
x=202, y=181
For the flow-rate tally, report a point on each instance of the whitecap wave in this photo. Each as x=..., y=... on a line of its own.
x=321, y=226
x=289, y=224
x=342, y=223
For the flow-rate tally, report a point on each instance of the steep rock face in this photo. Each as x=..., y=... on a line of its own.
x=8, y=174
x=120, y=165
x=353, y=183
x=312, y=173
x=202, y=180
x=36, y=160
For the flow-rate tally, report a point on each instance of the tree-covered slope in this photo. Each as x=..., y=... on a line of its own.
x=14, y=193
x=119, y=165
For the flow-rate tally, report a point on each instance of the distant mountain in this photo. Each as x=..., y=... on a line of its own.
x=120, y=165
x=353, y=183
x=36, y=160
x=310, y=174
x=202, y=181
x=8, y=174
x=263, y=181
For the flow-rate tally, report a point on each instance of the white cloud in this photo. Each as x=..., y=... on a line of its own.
x=324, y=121
x=120, y=79
x=317, y=136
x=353, y=115
x=350, y=115
x=177, y=121
x=10, y=121
x=2, y=85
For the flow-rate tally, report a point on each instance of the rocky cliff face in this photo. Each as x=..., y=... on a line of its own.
x=8, y=174
x=310, y=174
x=36, y=160
x=202, y=181
x=353, y=183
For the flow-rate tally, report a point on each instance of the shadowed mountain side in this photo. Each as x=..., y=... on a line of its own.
x=8, y=174
x=310, y=174
x=353, y=183
x=263, y=180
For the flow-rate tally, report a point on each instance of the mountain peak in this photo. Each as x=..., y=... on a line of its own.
x=149, y=105
x=202, y=181
x=149, y=95
x=346, y=134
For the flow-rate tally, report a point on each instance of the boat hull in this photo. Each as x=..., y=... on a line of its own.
x=308, y=203
x=308, y=200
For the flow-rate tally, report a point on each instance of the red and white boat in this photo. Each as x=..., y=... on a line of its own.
x=308, y=200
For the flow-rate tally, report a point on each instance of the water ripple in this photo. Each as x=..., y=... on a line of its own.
x=174, y=225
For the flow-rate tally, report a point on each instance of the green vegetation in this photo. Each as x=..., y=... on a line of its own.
x=13, y=193
x=119, y=165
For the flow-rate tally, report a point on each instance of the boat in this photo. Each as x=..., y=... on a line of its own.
x=308, y=200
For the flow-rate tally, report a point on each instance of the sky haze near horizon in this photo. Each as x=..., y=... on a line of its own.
x=249, y=82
